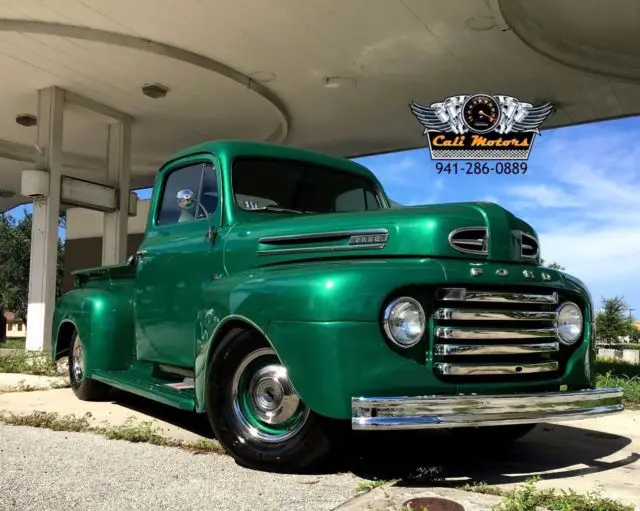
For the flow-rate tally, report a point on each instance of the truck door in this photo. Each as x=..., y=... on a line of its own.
x=175, y=261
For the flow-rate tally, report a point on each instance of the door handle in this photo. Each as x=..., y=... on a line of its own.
x=141, y=253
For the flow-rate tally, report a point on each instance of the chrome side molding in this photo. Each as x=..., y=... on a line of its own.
x=366, y=239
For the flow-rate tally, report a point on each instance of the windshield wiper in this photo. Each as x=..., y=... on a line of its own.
x=278, y=209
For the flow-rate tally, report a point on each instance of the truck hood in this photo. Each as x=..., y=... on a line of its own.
x=422, y=231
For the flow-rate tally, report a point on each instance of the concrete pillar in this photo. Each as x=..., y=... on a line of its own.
x=114, y=239
x=46, y=214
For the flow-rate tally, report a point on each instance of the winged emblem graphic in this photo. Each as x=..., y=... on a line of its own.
x=445, y=116
x=448, y=115
x=518, y=116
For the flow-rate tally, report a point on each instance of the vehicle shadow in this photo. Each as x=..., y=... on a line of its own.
x=552, y=451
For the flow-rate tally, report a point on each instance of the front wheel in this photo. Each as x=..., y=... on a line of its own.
x=256, y=413
x=84, y=388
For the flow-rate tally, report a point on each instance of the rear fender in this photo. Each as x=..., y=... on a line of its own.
x=103, y=320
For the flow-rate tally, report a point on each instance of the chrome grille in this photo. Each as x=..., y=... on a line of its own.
x=530, y=248
x=470, y=240
x=495, y=333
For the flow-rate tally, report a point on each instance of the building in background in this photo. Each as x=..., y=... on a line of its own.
x=84, y=239
x=14, y=328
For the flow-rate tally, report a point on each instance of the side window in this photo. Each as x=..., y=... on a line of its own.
x=356, y=200
x=371, y=201
x=201, y=180
x=208, y=192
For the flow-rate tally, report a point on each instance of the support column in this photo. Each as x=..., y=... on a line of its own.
x=46, y=214
x=115, y=227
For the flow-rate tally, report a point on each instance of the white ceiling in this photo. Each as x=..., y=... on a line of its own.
x=578, y=54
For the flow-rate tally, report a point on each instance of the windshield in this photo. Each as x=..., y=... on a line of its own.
x=286, y=185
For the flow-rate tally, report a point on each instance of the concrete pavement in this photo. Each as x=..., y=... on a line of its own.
x=583, y=455
x=12, y=382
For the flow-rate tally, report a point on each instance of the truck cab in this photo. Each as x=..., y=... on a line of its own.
x=277, y=291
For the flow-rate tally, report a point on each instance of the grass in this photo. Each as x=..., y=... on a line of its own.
x=527, y=497
x=32, y=388
x=620, y=346
x=13, y=344
x=28, y=363
x=131, y=431
x=615, y=373
x=367, y=486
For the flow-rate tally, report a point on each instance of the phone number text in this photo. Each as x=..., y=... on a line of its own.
x=482, y=167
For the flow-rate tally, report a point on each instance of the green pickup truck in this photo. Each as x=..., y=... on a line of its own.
x=277, y=291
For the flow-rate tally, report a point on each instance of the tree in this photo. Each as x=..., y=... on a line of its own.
x=613, y=322
x=553, y=265
x=15, y=254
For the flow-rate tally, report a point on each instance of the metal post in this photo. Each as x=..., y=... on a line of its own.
x=46, y=214
x=115, y=227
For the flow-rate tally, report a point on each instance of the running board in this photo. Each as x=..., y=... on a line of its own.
x=177, y=394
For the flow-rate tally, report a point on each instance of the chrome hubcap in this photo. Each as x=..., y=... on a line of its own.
x=272, y=394
x=78, y=361
x=265, y=404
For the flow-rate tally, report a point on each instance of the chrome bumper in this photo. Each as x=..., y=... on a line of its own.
x=430, y=412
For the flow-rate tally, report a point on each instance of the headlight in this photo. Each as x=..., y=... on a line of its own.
x=404, y=321
x=569, y=323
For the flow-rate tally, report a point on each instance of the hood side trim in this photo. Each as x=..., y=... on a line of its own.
x=369, y=239
x=320, y=236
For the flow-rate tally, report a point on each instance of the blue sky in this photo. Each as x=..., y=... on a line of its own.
x=581, y=193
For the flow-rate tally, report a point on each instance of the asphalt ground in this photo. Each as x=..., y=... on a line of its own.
x=47, y=470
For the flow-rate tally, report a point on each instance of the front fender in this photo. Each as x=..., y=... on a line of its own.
x=103, y=320
x=350, y=290
x=323, y=320
x=340, y=291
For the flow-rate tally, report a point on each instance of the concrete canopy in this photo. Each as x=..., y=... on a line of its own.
x=258, y=70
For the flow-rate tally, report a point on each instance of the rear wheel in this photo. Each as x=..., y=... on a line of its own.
x=256, y=413
x=84, y=388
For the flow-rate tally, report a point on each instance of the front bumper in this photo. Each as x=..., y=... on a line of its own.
x=433, y=412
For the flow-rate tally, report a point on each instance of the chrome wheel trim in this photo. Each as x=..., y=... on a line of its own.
x=77, y=367
x=273, y=398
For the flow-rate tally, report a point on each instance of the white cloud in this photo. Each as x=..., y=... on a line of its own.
x=594, y=255
x=543, y=195
x=586, y=207
x=401, y=172
x=434, y=192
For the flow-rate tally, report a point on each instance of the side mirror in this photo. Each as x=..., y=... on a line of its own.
x=186, y=199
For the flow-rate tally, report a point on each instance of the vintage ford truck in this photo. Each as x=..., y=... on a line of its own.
x=277, y=291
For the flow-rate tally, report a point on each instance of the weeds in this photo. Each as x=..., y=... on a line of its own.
x=367, y=486
x=130, y=431
x=13, y=344
x=615, y=373
x=20, y=387
x=46, y=420
x=483, y=488
x=528, y=498
x=26, y=362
